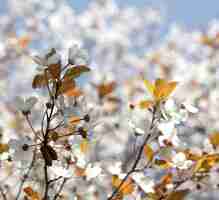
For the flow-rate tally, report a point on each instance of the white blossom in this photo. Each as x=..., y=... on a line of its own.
x=21, y=149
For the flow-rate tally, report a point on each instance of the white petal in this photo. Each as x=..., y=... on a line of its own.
x=190, y=108
x=166, y=128
x=30, y=102
x=19, y=102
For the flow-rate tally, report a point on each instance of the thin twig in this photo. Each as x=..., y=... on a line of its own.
x=132, y=170
x=26, y=175
x=60, y=188
x=31, y=126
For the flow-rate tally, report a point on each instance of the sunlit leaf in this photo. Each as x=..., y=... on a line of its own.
x=206, y=163
x=74, y=120
x=126, y=188
x=145, y=104
x=84, y=145
x=191, y=156
x=75, y=92
x=163, y=89
x=79, y=171
x=31, y=193
x=150, y=87
x=167, y=178
x=161, y=186
x=149, y=153
x=4, y=148
x=214, y=139
x=105, y=88
x=67, y=85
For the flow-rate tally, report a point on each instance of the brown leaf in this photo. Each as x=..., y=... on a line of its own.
x=4, y=148
x=55, y=70
x=105, y=88
x=39, y=81
x=66, y=86
x=177, y=195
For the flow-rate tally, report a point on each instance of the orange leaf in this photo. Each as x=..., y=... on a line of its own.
x=214, y=139
x=105, y=88
x=24, y=41
x=126, y=188
x=31, y=193
x=66, y=86
x=74, y=120
x=79, y=171
x=84, y=145
x=74, y=92
x=166, y=179
x=163, y=89
x=145, y=104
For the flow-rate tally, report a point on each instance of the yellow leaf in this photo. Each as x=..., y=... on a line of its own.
x=206, y=163
x=149, y=153
x=214, y=139
x=31, y=193
x=84, y=145
x=150, y=87
x=4, y=148
x=145, y=104
x=163, y=89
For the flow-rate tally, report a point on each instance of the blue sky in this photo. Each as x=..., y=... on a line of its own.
x=191, y=13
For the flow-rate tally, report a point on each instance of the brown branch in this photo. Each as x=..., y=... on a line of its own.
x=133, y=169
x=60, y=188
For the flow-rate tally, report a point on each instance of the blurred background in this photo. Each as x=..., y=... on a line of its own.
x=126, y=40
